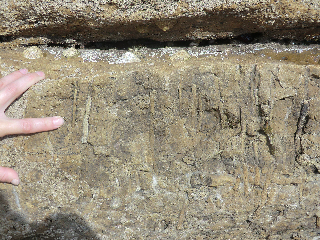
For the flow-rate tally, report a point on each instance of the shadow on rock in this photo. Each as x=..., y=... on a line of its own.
x=57, y=226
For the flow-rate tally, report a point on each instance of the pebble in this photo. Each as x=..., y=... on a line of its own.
x=128, y=57
x=181, y=55
x=33, y=53
x=70, y=52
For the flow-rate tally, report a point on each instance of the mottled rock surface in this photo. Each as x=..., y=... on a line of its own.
x=223, y=143
x=162, y=20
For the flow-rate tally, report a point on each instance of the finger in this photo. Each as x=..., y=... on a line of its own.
x=10, y=92
x=8, y=175
x=12, y=77
x=29, y=125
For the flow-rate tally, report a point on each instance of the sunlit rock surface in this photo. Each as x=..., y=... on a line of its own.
x=220, y=143
x=162, y=20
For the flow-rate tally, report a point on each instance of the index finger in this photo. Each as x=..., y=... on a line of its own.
x=12, y=77
x=29, y=125
x=14, y=89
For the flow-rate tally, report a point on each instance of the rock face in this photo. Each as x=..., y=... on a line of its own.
x=162, y=20
x=182, y=144
x=218, y=142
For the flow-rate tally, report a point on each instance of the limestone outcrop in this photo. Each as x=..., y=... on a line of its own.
x=194, y=143
x=83, y=21
x=208, y=142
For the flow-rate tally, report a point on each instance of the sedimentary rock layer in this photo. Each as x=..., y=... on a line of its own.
x=172, y=147
x=112, y=20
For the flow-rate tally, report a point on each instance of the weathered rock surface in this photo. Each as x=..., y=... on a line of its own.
x=206, y=146
x=169, y=20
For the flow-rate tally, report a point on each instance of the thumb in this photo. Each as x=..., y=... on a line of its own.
x=8, y=175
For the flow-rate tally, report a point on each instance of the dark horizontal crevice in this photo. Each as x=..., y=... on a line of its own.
x=135, y=43
x=6, y=38
x=148, y=43
x=249, y=38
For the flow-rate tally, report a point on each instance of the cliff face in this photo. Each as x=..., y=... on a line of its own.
x=214, y=142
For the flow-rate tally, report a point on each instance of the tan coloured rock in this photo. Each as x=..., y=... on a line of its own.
x=205, y=148
x=70, y=52
x=32, y=53
x=85, y=21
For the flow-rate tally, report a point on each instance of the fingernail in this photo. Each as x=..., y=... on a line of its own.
x=24, y=71
x=15, y=182
x=58, y=121
x=41, y=74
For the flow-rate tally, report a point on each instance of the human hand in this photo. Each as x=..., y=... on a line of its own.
x=11, y=87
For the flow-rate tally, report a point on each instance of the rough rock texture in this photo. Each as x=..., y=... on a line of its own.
x=173, y=146
x=163, y=20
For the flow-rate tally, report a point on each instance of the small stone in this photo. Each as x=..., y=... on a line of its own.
x=181, y=55
x=33, y=53
x=70, y=52
x=128, y=57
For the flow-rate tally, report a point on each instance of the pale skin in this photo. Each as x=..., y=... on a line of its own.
x=11, y=87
